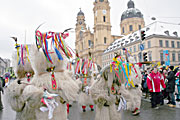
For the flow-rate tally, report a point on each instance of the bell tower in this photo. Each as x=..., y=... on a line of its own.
x=102, y=28
x=80, y=28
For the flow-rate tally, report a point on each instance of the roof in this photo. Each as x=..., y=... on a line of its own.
x=131, y=12
x=80, y=13
x=156, y=28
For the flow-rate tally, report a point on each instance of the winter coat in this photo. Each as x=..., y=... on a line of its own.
x=177, y=81
x=2, y=81
x=1, y=86
x=155, y=81
x=171, y=82
x=145, y=81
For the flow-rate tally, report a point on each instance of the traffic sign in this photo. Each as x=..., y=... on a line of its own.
x=141, y=47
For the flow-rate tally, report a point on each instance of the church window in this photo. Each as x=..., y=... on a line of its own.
x=104, y=18
x=139, y=27
x=131, y=28
x=105, y=40
x=123, y=29
x=89, y=43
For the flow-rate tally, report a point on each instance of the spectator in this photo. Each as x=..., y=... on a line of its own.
x=154, y=83
x=145, y=88
x=1, y=90
x=163, y=72
x=2, y=80
x=178, y=86
x=7, y=76
x=171, y=86
x=177, y=69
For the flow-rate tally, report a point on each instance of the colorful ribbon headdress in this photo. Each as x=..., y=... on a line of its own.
x=22, y=52
x=57, y=42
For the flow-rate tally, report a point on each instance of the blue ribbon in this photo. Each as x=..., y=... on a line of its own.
x=56, y=50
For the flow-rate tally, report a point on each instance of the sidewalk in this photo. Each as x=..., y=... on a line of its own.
x=165, y=101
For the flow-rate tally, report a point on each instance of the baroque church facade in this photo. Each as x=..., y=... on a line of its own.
x=98, y=40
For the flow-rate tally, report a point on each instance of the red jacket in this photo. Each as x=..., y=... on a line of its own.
x=154, y=81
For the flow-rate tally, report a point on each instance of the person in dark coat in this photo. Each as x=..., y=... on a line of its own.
x=177, y=70
x=145, y=88
x=171, y=86
x=2, y=81
x=1, y=90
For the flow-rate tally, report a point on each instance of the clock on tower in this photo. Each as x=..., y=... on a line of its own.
x=104, y=11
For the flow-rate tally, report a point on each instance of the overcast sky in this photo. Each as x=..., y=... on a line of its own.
x=18, y=16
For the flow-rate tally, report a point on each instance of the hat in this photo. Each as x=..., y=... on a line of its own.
x=171, y=67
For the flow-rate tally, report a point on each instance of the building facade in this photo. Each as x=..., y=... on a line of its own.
x=8, y=62
x=101, y=38
x=131, y=19
x=160, y=36
x=4, y=63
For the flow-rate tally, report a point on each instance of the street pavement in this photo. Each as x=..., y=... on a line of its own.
x=147, y=113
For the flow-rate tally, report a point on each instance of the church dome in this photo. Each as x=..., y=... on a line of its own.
x=80, y=13
x=131, y=12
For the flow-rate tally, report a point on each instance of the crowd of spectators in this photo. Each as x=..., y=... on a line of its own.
x=160, y=83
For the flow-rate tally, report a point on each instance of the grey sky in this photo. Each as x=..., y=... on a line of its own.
x=18, y=16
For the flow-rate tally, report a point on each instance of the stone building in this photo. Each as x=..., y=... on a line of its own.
x=131, y=19
x=3, y=66
x=160, y=36
x=101, y=37
x=8, y=62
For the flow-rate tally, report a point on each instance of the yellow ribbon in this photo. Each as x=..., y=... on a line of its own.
x=130, y=81
x=110, y=67
x=17, y=52
x=27, y=52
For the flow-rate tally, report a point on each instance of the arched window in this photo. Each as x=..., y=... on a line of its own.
x=104, y=18
x=123, y=30
x=105, y=40
x=130, y=28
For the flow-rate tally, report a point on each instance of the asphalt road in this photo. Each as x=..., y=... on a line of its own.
x=147, y=113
